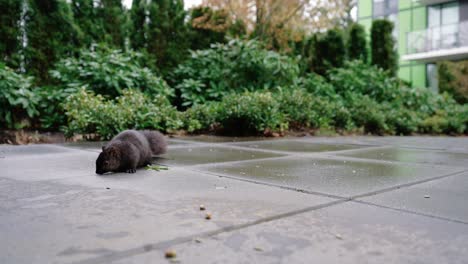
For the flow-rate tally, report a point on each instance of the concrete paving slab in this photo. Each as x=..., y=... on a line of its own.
x=444, y=198
x=72, y=219
x=220, y=139
x=344, y=233
x=96, y=146
x=329, y=176
x=89, y=145
x=7, y=151
x=71, y=163
x=54, y=209
x=412, y=156
x=453, y=144
x=201, y=155
x=297, y=146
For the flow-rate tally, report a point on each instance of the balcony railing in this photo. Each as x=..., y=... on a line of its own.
x=438, y=38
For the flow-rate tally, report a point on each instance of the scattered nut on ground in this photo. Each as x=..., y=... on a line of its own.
x=170, y=253
x=202, y=207
x=208, y=216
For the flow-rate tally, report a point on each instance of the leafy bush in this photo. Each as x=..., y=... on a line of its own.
x=51, y=112
x=236, y=66
x=367, y=113
x=90, y=113
x=251, y=113
x=108, y=72
x=384, y=54
x=305, y=109
x=202, y=117
x=453, y=79
x=358, y=77
x=17, y=99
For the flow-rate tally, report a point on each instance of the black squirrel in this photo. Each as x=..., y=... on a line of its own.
x=129, y=150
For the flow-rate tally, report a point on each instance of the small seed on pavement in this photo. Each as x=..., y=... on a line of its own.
x=202, y=207
x=170, y=253
x=208, y=216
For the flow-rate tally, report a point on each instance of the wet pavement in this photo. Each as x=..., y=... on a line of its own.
x=289, y=200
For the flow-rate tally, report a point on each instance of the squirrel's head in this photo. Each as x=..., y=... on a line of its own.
x=108, y=160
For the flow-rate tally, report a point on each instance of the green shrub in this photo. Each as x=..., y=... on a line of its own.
x=358, y=77
x=51, y=113
x=108, y=72
x=251, y=113
x=448, y=119
x=357, y=43
x=90, y=113
x=202, y=117
x=401, y=121
x=384, y=54
x=233, y=67
x=305, y=109
x=452, y=77
x=297, y=105
x=367, y=114
x=317, y=85
x=17, y=99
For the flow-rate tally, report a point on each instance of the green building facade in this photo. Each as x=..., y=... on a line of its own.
x=426, y=31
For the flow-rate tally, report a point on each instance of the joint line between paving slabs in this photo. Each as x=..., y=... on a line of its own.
x=180, y=240
x=289, y=188
x=409, y=184
x=411, y=212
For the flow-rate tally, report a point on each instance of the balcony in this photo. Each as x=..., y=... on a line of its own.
x=448, y=42
x=431, y=2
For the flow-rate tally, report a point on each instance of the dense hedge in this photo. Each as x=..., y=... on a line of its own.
x=313, y=102
x=251, y=91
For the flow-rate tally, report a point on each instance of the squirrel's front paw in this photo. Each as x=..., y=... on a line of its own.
x=130, y=171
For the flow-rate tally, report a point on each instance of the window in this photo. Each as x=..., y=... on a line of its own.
x=443, y=25
x=385, y=7
x=431, y=75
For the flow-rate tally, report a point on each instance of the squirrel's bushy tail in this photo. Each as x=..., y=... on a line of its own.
x=157, y=141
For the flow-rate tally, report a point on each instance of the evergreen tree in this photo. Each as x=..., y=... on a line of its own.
x=113, y=18
x=10, y=32
x=167, y=34
x=51, y=34
x=357, y=46
x=138, y=26
x=86, y=18
x=207, y=26
x=384, y=54
x=330, y=51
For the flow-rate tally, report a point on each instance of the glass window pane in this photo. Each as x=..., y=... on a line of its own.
x=434, y=16
x=450, y=13
x=449, y=35
x=379, y=8
x=432, y=81
x=392, y=6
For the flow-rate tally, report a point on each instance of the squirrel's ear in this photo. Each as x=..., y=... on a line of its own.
x=113, y=151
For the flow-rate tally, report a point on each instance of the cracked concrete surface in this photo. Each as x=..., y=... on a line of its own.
x=291, y=200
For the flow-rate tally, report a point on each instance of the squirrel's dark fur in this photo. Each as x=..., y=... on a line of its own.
x=129, y=150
